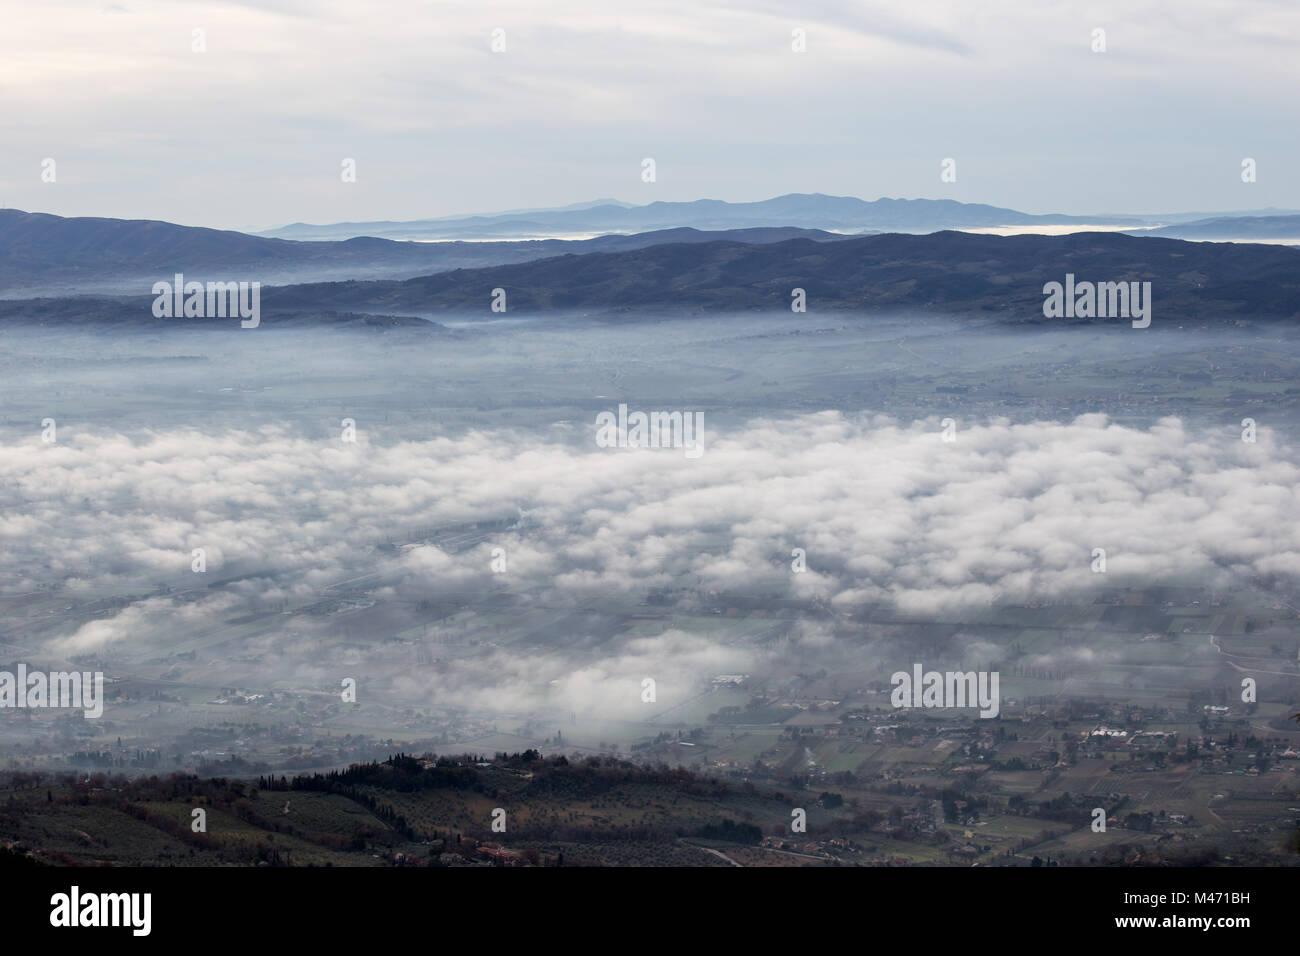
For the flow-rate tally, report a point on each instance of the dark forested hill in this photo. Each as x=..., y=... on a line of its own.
x=43, y=254
x=946, y=271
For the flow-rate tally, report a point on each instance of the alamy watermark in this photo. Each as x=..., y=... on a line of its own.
x=75, y=909
x=683, y=430
x=1100, y=300
x=56, y=689
x=923, y=688
x=219, y=300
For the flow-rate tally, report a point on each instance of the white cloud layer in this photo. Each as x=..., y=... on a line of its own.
x=885, y=513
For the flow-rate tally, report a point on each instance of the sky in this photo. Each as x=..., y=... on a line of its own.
x=252, y=131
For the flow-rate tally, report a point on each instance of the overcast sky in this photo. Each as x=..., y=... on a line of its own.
x=252, y=132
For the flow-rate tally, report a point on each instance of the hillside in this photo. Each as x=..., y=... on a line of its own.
x=51, y=255
x=947, y=271
x=593, y=811
x=402, y=812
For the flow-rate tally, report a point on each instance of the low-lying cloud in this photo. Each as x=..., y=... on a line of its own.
x=884, y=512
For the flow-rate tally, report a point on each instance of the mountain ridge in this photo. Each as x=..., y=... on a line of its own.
x=44, y=254
x=944, y=271
x=809, y=210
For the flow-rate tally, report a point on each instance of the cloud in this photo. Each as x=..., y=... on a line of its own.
x=886, y=513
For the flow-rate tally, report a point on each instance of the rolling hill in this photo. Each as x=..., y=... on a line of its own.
x=946, y=271
x=51, y=255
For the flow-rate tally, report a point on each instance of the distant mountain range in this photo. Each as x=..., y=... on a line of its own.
x=1234, y=228
x=680, y=268
x=805, y=210
x=949, y=272
x=945, y=271
x=840, y=214
x=50, y=255
x=1178, y=218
